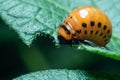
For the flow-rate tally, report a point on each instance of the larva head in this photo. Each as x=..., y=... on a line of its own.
x=65, y=33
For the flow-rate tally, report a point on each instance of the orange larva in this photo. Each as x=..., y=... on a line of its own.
x=86, y=23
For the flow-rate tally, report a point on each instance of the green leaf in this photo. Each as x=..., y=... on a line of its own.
x=31, y=17
x=64, y=74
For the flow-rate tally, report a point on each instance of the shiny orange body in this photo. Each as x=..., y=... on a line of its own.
x=86, y=23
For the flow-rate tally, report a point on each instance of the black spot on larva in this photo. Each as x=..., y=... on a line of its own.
x=78, y=31
x=104, y=36
x=96, y=32
x=74, y=34
x=92, y=23
x=104, y=27
x=108, y=31
x=85, y=32
x=99, y=24
x=70, y=16
x=101, y=34
x=105, y=40
x=66, y=22
x=84, y=25
x=91, y=32
x=65, y=28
